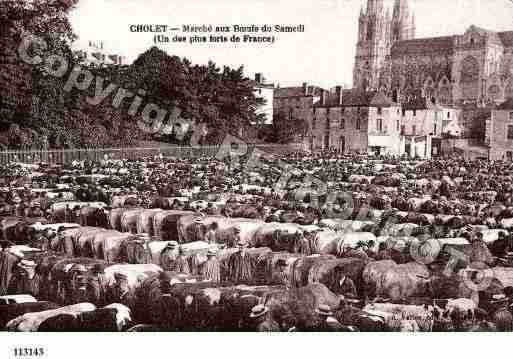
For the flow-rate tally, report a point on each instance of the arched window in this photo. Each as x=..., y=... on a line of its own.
x=379, y=125
x=494, y=92
x=508, y=92
x=369, y=32
x=469, y=70
x=342, y=144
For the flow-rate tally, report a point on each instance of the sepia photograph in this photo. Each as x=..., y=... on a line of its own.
x=255, y=166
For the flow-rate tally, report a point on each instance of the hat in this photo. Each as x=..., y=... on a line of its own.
x=323, y=309
x=258, y=311
x=120, y=276
x=27, y=263
x=98, y=268
x=165, y=276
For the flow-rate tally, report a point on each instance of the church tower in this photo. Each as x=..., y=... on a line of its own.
x=403, y=22
x=373, y=45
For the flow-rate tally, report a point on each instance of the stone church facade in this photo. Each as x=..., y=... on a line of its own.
x=473, y=68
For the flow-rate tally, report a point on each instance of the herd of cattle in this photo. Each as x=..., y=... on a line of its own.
x=426, y=243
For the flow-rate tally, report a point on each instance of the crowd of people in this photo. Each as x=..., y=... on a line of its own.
x=373, y=222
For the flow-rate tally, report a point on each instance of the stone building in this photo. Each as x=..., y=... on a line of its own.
x=475, y=67
x=354, y=121
x=499, y=132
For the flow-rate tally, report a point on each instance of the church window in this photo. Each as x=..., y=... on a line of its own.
x=414, y=130
x=358, y=124
x=414, y=113
x=314, y=121
x=379, y=125
x=342, y=123
x=494, y=92
x=369, y=32
x=402, y=129
x=448, y=115
x=469, y=70
x=434, y=129
x=508, y=92
x=404, y=112
x=510, y=132
x=472, y=41
x=397, y=126
x=380, y=111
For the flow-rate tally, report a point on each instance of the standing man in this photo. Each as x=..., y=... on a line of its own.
x=480, y=252
x=211, y=270
x=98, y=284
x=236, y=237
x=168, y=256
x=8, y=261
x=210, y=236
x=239, y=265
x=344, y=286
x=280, y=274
x=121, y=292
x=182, y=264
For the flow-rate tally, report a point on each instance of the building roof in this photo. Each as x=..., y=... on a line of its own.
x=443, y=44
x=296, y=91
x=357, y=98
x=506, y=105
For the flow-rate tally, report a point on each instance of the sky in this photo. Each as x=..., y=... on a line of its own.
x=323, y=55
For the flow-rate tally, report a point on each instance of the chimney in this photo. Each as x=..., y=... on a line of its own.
x=305, y=88
x=324, y=97
x=338, y=91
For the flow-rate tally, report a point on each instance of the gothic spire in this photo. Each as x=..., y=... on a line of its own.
x=400, y=9
x=374, y=7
